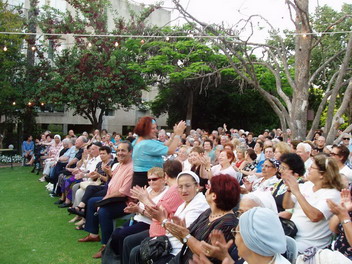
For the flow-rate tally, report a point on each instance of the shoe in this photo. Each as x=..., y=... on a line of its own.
x=99, y=253
x=64, y=205
x=76, y=210
x=59, y=202
x=89, y=238
x=42, y=179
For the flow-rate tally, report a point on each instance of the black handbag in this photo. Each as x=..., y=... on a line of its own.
x=108, y=201
x=289, y=227
x=154, y=248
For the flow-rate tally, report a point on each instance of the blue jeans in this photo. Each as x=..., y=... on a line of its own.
x=105, y=217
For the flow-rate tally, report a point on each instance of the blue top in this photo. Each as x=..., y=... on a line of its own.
x=148, y=154
x=27, y=146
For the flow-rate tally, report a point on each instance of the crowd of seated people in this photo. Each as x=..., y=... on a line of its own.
x=222, y=197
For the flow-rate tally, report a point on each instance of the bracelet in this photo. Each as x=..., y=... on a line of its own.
x=346, y=221
x=177, y=136
x=163, y=223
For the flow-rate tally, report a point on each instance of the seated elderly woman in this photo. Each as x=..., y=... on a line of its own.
x=224, y=167
x=222, y=195
x=141, y=220
x=194, y=204
x=170, y=202
x=311, y=212
x=219, y=248
x=270, y=172
x=260, y=237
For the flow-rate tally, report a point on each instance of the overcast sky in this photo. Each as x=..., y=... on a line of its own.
x=230, y=11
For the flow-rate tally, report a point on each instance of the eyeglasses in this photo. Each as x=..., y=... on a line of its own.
x=238, y=214
x=346, y=138
x=153, y=179
x=333, y=154
x=234, y=232
x=283, y=168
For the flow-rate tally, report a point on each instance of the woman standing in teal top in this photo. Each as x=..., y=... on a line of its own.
x=148, y=152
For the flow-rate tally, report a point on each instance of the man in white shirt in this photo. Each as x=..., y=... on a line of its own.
x=304, y=150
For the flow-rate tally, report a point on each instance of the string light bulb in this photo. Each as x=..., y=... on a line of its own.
x=89, y=45
x=304, y=35
x=33, y=48
x=167, y=38
x=42, y=104
x=14, y=103
x=5, y=48
x=29, y=103
x=116, y=44
x=142, y=41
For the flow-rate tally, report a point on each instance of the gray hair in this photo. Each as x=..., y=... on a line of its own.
x=66, y=141
x=306, y=146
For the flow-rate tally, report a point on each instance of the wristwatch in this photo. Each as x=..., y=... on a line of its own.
x=345, y=221
x=163, y=223
x=185, y=239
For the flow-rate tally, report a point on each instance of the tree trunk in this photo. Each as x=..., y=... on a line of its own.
x=189, y=110
x=303, y=45
x=32, y=28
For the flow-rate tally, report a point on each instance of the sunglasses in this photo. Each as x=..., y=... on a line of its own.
x=346, y=138
x=153, y=179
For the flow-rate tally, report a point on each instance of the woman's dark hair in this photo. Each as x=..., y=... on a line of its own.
x=105, y=148
x=251, y=153
x=210, y=142
x=294, y=162
x=227, y=191
x=172, y=168
x=144, y=126
x=49, y=135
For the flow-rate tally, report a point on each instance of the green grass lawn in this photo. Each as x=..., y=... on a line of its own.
x=32, y=228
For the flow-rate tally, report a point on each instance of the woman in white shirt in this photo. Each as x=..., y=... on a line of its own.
x=225, y=159
x=311, y=213
x=141, y=220
x=194, y=204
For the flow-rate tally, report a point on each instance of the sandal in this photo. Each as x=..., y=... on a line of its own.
x=77, y=211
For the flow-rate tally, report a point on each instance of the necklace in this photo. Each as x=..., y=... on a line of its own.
x=214, y=216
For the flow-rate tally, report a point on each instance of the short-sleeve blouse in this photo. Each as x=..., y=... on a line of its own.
x=148, y=154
